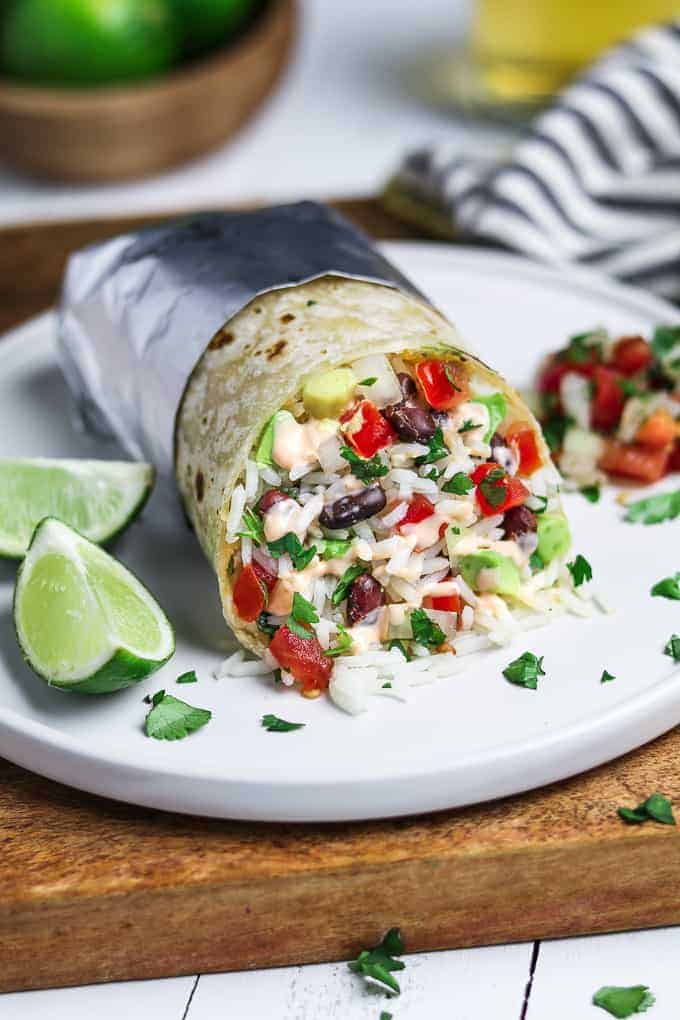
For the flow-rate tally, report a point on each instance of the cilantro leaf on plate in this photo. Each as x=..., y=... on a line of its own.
x=591, y=493
x=606, y=677
x=291, y=544
x=172, y=719
x=657, y=808
x=580, y=570
x=672, y=647
x=437, y=449
x=273, y=724
x=379, y=963
x=525, y=671
x=668, y=587
x=624, y=1002
x=460, y=484
x=665, y=506
x=425, y=631
x=363, y=468
x=188, y=678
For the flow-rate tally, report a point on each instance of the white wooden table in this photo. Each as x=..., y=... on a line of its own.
x=337, y=126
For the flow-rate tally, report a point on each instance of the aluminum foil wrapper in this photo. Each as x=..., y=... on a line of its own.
x=139, y=310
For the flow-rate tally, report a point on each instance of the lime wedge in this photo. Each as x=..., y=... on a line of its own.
x=84, y=622
x=98, y=498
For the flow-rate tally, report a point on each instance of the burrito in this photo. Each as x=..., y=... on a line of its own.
x=373, y=498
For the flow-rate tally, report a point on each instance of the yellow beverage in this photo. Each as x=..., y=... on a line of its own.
x=526, y=49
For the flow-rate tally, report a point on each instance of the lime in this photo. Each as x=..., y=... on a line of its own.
x=204, y=24
x=97, y=498
x=84, y=622
x=83, y=42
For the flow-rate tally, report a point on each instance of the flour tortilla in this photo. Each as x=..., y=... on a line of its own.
x=256, y=364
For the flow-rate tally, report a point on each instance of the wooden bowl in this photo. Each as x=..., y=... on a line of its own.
x=122, y=132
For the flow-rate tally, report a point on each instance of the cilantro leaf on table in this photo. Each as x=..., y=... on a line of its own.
x=665, y=506
x=460, y=484
x=668, y=587
x=657, y=808
x=343, y=585
x=344, y=643
x=606, y=677
x=591, y=493
x=365, y=469
x=624, y=1002
x=437, y=449
x=302, y=614
x=272, y=724
x=672, y=647
x=379, y=963
x=580, y=570
x=425, y=631
x=253, y=526
x=188, y=677
x=525, y=671
x=291, y=544
x=172, y=719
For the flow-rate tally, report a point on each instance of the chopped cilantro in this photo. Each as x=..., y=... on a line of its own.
x=379, y=963
x=629, y=388
x=591, y=493
x=273, y=724
x=334, y=548
x=668, y=588
x=525, y=671
x=364, y=469
x=301, y=616
x=657, y=807
x=468, y=426
x=606, y=677
x=172, y=719
x=371, y=381
x=402, y=647
x=580, y=350
x=437, y=449
x=292, y=545
x=623, y=1002
x=265, y=626
x=554, y=429
x=386, y=686
x=425, y=631
x=188, y=678
x=385, y=1016
x=654, y=509
x=535, y=562
x=672, y=647
x=542, y=504
x=343, y=585
x=344, y=643
x=311, y=302
x=580, y=570
x=451, y=377
x=459, y=484
x=666, y=347
x=253, y=526
x=492, y=488
x=433, y=474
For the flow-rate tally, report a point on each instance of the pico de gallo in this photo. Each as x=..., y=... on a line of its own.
x=610, y=406
x=399, y=502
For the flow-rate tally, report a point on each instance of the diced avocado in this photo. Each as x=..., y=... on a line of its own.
x=489, y=571
x=554, y=537
x=326, y=394
x=263, y=454
x=497, y=408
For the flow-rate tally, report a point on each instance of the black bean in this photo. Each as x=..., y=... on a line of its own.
x=357, y=506
x=409, y=390
x=440, y=418
x=365, y=595
x=412, y=423
x=518, y=521
x=496, y=440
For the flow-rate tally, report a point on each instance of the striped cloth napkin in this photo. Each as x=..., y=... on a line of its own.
x=595, y=179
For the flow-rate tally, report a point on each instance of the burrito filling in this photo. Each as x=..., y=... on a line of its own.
x=400, y=509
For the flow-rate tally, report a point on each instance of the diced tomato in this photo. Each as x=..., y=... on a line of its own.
x=550, y=376
x=366, y=430
x=633, y=461
x=444, y=384
x=513, y=492
x=522, y=437
x=270, y=499
x=631, y=354
x=419, y=509
x=608, y=399
x=658, y=431
x=445, y=603
x=250, y=594
x=302, y=657
x=674, y=459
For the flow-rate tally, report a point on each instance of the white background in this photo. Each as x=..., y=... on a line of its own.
x=343, y=116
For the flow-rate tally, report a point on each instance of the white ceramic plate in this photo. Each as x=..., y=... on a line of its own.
x=472, y=738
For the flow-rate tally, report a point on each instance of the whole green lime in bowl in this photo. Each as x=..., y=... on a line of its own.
x=205, y=24
x=87, y=42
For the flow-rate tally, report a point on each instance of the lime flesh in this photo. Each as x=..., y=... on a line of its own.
x=83, y=621
x=97, y=498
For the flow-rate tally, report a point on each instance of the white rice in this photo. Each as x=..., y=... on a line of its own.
x=252, y=481
x=236, y=508
x=310, y=513
x=246, y=550
x=270, y=476
x=434, y=564
x=394, y=516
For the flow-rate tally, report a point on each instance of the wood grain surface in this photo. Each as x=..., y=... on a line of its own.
x=92, y=890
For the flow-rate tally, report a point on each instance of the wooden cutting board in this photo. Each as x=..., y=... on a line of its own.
x=92, y=890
